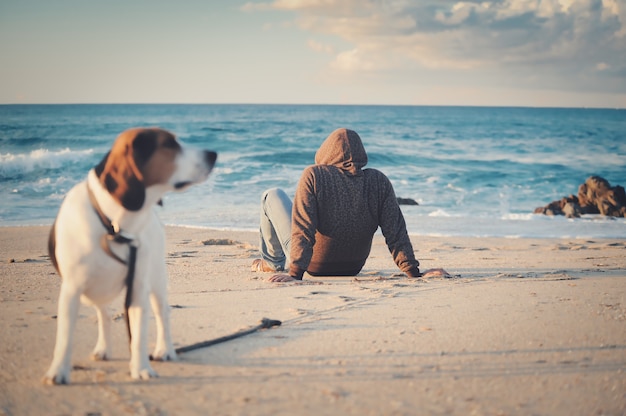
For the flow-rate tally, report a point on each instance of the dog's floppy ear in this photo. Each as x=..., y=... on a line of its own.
x=144, y=145
x=100, y=166
x=131, y=195
x=121, y=170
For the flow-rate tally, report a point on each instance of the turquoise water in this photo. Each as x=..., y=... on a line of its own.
x=476, y=171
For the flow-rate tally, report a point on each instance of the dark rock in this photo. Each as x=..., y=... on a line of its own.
x=406, y=201
x=571, y=210
x=601, y=198
x=595, y=196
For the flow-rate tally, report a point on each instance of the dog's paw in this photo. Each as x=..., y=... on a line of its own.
x=98, y=355
x=143, y=373
x=169, y=355
x=51, y=379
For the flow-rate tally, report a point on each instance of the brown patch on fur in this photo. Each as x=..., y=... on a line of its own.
x=160, y=167
x=139, y=158
x=52, y=247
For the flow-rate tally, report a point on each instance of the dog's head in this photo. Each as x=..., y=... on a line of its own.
x=144, y=157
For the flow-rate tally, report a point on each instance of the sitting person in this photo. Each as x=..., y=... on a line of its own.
x=329, y=228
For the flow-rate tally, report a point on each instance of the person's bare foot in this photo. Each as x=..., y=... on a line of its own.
x=260, y=265
x=435, y=273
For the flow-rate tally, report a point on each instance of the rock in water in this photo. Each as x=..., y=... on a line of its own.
x=406, y=201
x=599, y=196
x=595, y=196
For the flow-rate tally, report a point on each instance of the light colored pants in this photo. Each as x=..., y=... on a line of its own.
x=275, y=229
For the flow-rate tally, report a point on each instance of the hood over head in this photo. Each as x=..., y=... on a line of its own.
x=342, y=148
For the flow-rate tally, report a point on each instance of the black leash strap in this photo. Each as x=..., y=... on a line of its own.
x=265, y=324
x=114, y=234
x=130, y=278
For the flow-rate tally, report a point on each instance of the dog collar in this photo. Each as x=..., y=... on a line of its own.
x=113, y=232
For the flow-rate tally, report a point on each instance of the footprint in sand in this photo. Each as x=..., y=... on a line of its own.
x=220, y=242
x=181, y=254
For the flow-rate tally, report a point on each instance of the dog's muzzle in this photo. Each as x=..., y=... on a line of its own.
x=210, y=158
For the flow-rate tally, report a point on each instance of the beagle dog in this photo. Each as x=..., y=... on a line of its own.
x=107, y=236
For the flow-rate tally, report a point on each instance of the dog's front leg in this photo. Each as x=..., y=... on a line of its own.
x=164, y=349
x=69, y=302
x=102, y=351
x=139, y=361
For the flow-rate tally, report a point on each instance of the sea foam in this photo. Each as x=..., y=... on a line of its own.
x=15, y=164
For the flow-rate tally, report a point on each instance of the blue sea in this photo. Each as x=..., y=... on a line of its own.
x=475, y=171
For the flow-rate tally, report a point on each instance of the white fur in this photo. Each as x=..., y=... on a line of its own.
x=95, y=278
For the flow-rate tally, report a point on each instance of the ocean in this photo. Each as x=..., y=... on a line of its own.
x=475, y=171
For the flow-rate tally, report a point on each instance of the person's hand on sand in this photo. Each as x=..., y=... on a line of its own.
x=435, y=273
x=281, y=278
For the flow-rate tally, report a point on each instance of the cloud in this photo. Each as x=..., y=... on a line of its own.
x=560, y=43
x=602, y=66
x=320, y=47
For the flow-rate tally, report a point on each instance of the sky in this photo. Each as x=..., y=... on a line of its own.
x=538, y=53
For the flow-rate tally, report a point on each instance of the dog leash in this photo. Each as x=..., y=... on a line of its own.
x=265, y=324
x=116, y=235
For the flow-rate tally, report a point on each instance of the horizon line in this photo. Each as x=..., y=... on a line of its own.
x=317, y=104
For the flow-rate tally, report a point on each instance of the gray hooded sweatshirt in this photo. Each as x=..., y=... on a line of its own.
x=338, y=207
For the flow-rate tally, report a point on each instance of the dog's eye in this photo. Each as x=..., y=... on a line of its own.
x=171, y=143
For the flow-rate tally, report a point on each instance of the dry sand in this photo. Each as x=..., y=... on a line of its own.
x=527, y=327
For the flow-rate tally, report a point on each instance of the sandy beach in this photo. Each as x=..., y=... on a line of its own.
x=525, y=327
